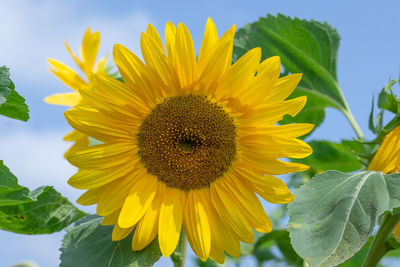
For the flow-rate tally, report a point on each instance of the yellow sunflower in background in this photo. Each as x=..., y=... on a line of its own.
x=88, y=53
x=387, y=160
x=188, y=142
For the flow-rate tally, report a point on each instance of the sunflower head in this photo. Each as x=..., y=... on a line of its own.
x=188, y=142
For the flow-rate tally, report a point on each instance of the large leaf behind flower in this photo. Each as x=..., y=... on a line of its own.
x=331, y=156
x=88, y=243
x=307, y=47
x=334, y=213
x=41, y=211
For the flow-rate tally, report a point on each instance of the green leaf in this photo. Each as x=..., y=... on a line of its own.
x=46, y=213
x=88, y=243
x=387, y=100
x=281, y=239
x=330, y=156
x=334, y=213
x=41, y=211
x=308, y=47
x=11, y=193
x=5, y=83
x=15, y=107
x=12, y=105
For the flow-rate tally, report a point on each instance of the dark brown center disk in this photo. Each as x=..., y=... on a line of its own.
x=187, y=142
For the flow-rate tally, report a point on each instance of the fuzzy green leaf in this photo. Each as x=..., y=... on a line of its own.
x=307, y=47
x=334, y=213
x=88, y=243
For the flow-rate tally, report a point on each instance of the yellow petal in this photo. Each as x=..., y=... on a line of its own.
x=91, y=196
x=239, y=77
x=185, y=62
x=209, y=39
x=110, y=89
x=282, y=131
x=74, y=136
x=134, y=73
x=77, y=61
x=225, y=205
x=151, y=31
x=147, y=228
x=101, y=66
x=387, y=158
x=64, y=99
x=284, y=87
x=119, y=233
x=170, y=37
x=138, y=200
x=99, y=126
x=111, y=218
x=111, y=107
x=217, y=61
x=217, y=234
x=163, y=76
x=248, y=204
x=170, y=221
x=66, y=74
x=263, y=83
x=271, y=166
x=116, y=192
x=268, y=187
x=274, y=148
x=90, y=47
x=86, y=179
x=269, y=114
x=103, y=156
x=228, y=239
x=197, y=224
x=80, y=144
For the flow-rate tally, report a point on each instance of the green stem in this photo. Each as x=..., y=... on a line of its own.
x=179, y=256
x=347, y=113
x=379, y=247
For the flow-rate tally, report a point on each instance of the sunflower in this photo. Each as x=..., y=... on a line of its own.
x=387, y=160
x=188, y=143
x=89, y=49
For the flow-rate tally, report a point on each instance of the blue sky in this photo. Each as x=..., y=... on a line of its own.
x=34, y=30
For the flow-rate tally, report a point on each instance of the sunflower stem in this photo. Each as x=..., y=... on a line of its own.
x=354, y=124
x=379, y=247
x=179, y=256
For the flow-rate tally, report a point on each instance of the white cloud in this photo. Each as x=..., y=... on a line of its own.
x=36, y=30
